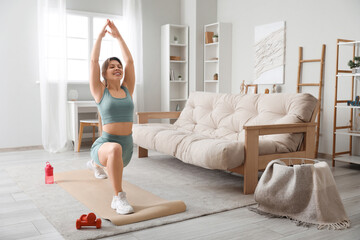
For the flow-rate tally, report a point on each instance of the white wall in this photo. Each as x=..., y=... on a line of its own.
x=206, y=13
x=188, y=17
x=196, y=14
x=19, y=94
x=309, y=24
x=155, y=14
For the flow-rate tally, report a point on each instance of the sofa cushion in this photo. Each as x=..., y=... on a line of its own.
x=209, y=132
x=194, y=148
x=224, y=115
x=216, y=153
x=160, y=137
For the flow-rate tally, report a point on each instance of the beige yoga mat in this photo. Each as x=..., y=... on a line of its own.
x=97, y=194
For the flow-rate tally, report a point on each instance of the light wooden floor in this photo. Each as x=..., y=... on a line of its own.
x=20, y=219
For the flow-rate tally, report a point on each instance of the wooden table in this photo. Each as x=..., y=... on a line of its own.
x=73, y=110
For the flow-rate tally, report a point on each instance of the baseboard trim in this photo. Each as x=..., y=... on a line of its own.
x=325, y=156
x=89, y=143
x=19, y=149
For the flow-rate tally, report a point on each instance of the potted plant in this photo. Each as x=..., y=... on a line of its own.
x=355, y=65
x=175, y=40
x=215, y=38
x=179, y=77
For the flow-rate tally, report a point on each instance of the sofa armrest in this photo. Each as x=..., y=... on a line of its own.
x=280, y=128
x=252, y=134
x=254, y=162
x=143, y=117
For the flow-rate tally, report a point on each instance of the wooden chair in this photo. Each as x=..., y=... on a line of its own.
x=92, y=123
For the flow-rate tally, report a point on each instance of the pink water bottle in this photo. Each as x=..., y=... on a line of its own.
x=49, y=176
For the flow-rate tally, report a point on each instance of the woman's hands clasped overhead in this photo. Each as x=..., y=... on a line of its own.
x=114, y=31
x=103, y=31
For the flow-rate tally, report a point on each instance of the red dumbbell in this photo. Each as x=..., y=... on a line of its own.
x=88, y=220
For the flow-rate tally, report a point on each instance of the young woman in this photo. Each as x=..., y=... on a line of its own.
x=114, y=148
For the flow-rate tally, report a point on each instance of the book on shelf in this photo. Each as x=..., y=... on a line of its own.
x=176, y=58
x=208, y=37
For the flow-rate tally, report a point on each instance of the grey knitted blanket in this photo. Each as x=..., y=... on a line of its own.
x=305, y=193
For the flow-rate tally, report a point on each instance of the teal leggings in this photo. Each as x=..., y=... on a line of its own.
x=126, y=142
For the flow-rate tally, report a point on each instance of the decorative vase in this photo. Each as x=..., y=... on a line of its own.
x=273, y=89
x=215, y=39
x=172, y=77
x=356, y=70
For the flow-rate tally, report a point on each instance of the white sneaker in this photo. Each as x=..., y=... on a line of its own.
x=98, y=171
x=121, y=205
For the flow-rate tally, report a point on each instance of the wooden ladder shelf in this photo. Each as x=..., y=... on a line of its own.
x=300, y=84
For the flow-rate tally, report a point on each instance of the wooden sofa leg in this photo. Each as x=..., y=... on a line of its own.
x=250, y=180
x=142, y=152
x=251, y=161
x=310, y=140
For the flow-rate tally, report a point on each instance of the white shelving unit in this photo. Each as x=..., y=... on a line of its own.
x=352, y=129
x=348, y=159
x=174, y=92
x=217, y=58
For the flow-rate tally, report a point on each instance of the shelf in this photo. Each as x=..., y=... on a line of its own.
x=212, y=24
x=217, y=58
x=177, y=26
x=174, y=67
x=349, y=75
x=346, y=130
x=72, y=82
x=349, y=43
x=347, y=106
x=175, y=61
x=79, y=82
x=212, y=44
x=178, y=81
x=178, y=45
x=348, y=159
x=357, y=134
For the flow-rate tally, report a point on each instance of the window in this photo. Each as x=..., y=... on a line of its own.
x=82, y=29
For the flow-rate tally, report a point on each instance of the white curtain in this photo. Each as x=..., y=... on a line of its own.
x=52, y=73
x=133, y=38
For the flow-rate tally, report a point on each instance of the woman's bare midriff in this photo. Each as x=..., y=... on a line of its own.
x=118, y=128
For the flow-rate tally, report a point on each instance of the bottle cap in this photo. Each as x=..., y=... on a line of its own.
x=49, y=169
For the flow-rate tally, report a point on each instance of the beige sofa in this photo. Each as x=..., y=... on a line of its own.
x=234, y=132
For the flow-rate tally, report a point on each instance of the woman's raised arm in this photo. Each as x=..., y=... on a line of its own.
x=129, y=78
x=96, y=87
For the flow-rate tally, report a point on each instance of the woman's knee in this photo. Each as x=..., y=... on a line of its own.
x=115, y=150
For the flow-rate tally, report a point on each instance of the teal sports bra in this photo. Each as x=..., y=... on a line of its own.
x=116, y=109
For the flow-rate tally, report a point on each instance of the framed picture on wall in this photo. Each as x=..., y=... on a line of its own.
x=269, y=53
x=251, y=88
